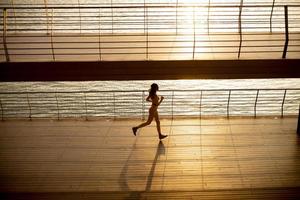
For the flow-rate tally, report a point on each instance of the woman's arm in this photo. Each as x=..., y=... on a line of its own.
x=148, y=99
x=161, y=99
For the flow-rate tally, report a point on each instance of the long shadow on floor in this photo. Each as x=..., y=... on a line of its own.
x=160, y=150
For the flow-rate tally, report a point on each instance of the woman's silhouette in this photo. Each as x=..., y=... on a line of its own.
x=153, y=113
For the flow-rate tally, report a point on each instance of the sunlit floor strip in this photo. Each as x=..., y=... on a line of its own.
x=247, y=158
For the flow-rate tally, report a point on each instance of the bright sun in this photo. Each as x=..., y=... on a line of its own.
x=191, y=16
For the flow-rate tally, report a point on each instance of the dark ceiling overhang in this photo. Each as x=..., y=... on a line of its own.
x=149, y=70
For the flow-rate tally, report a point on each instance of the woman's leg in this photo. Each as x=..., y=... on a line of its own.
x=150, y=118
x=157, y=122
x=156, y=116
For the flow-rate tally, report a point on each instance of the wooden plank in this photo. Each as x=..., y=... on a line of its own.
x=58, y=159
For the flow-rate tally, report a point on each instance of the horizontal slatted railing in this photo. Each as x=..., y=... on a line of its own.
x=147, y=31
x=132, y=104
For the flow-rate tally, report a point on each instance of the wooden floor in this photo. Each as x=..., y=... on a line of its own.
x=208, y=159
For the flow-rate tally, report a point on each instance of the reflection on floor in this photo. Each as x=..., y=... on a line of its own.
x=208, y=158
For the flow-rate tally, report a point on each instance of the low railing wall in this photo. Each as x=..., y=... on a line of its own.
x=132, y=104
